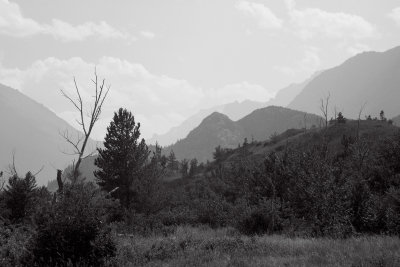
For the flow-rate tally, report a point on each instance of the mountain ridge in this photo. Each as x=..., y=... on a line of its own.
x=370, y=78
x=31, y=132
x=234, y=110
x=219, y=130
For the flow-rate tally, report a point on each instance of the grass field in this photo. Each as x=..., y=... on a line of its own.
x=189, y=246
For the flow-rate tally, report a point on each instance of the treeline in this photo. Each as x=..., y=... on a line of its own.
x=335, y=182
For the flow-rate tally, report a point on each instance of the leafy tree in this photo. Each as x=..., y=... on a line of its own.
x=123, y=160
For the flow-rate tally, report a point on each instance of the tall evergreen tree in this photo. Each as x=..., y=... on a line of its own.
x=382, y=115
x=122, y=162
x=20, y=194
x=184, y=167
x=341, y=118
x=172, y=163
x=193, y=167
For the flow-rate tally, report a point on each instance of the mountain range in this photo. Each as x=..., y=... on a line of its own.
x=369, y=79
x=30, y=131
x=235, y=111
x=219, y=130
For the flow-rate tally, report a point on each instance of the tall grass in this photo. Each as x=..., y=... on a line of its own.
x=189, y=246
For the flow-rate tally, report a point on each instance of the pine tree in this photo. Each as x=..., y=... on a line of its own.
x=122, y=162
x=20, y=193
x=193, y=167
x=172, y=162
x=341, y=118
x=382, y=115
x=184, y=167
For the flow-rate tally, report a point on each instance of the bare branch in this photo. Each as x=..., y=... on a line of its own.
x=94, y=114
x=12, y=170
x=70, y=99
x=39, y=171
x=324, y=108
x=67, y=138
x=89, y=155
x=359, y=119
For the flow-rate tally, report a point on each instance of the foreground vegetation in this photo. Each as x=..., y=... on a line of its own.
x=202, y=246
x=315, y=197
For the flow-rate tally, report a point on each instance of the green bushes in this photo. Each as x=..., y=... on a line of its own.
x=13, y=241
x=73, y=230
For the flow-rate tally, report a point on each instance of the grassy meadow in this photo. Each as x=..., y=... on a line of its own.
x=189, y=246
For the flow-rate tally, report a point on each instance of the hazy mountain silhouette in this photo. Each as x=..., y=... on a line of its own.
x=218, y=129
x=286, y=95
x=32, y=131
x=235, y=111
x=396, y=120
x=371, y=77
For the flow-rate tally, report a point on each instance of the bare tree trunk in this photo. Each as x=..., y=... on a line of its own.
x=324, y=108
x=79, y=146
x=59, y=181
x=359, y=119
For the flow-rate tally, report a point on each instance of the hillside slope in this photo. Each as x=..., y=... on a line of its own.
x=371, y=77
x=234, y=111
x=217, y=129
x=31, y=131
x=303, y=140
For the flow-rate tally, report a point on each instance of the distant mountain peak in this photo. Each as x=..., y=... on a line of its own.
x=216, y=117
x=218, y=129
x=370, y=77
x=31, y=131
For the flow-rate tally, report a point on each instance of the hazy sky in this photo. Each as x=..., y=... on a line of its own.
x=166, y=59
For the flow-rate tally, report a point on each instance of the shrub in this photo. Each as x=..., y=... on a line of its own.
x=260, y=219
x=13, y=240
x=72, y=230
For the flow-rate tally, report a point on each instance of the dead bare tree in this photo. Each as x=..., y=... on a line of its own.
x=324, y=108
x=335, y=112
x=359, y=119
x=79, y=145
x=12, y=169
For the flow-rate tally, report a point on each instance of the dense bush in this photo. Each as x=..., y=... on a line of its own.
x=73, y=230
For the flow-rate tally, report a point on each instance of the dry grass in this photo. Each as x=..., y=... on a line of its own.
x=224, y=247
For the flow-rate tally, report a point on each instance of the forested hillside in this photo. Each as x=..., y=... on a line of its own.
x=218, y=130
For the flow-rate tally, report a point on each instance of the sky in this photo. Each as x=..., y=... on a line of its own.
x=167, y=59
